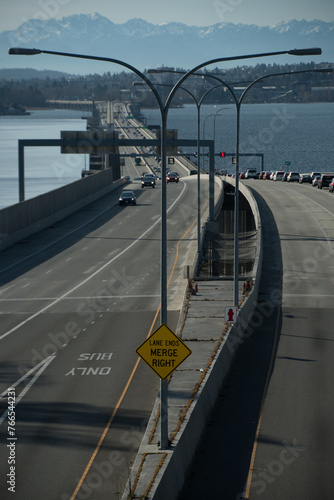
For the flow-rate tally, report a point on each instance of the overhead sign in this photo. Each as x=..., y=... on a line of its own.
x=163, y=351
x=88, y=142
x=230, y=314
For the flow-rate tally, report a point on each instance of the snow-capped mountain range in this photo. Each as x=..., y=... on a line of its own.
x=146, y=45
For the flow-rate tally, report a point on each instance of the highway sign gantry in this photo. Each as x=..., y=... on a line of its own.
x=163, y=351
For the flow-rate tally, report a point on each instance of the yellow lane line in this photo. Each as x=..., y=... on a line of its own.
x=98, y=446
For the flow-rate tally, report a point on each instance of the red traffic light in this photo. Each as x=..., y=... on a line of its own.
x=222, y=154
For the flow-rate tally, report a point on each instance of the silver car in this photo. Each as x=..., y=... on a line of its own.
x=293, y=177
x=278, y=176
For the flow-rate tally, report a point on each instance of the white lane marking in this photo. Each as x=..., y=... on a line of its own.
x=83, y=282
x=92, y=268
x=24, y=377
x=43, y=365
x=306, y=295
x=56, y=241
x=79, y=298
x=4, y=290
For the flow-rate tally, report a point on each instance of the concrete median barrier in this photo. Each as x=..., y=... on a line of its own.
x=159, y=474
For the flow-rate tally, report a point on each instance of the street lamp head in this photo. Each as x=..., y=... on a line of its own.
x=295, y=52
x=23, y=52
x=315, y=51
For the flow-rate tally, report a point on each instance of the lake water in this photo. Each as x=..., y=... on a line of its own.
x=45, y=167
x=302, y=134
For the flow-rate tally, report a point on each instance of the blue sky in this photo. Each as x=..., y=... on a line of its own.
x=192, y=12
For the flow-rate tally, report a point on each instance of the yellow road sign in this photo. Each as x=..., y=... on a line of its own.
x=163, y=351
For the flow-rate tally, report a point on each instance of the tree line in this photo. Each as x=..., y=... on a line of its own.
x=24, y=92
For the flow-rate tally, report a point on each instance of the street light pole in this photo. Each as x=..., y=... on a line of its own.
x=236, y=215
x=163, y=107
x=238, y=102
x=198, y=104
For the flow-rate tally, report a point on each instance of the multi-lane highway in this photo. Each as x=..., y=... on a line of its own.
x=76, y=301
x=271, y=428
x=294, y=455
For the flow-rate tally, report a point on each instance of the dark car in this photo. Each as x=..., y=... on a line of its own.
x=127, y=198
x=148, y=180
x=305, y=178
x=324, y=180
x=172, y=177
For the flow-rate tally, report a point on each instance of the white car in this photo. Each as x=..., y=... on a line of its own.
x=315, y=180
x=251, y=174
x=293, y=176
x=278, y=176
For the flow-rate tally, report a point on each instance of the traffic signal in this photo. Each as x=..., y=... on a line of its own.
x=222, y=154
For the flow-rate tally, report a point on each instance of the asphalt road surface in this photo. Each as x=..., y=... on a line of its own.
x=76, y=301
x=270, y=434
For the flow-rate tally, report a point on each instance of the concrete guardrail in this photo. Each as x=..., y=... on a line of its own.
x=23, y=219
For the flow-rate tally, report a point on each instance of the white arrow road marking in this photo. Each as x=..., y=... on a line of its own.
x=42, y=366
